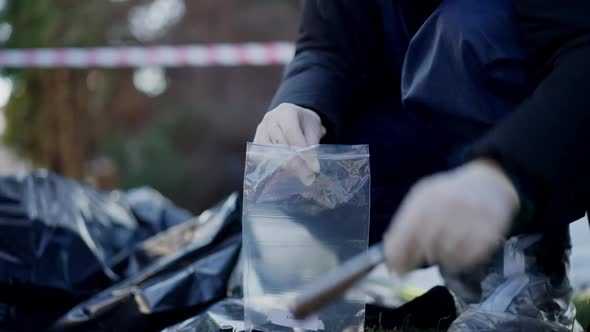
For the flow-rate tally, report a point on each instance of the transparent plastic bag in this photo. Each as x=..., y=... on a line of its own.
x=305, y=211
x=525, y=287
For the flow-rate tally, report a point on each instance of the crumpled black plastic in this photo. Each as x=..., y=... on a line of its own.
x=228, y=312
x=154, y=212
x=433, y=310
x=181, y=272
x=61, y=242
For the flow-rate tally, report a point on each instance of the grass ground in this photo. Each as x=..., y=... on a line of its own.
x=582, y=304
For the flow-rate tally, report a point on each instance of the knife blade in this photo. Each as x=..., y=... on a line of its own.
x=321, y=292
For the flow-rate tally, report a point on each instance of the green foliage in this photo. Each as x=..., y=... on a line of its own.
x=42, y=98
x=33, y=22
x=583, y=309
x=151, y=157
x=20, y=116
x=49, y=23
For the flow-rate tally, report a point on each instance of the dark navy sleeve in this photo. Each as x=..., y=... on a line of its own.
x=544, y=143
x=335, y=53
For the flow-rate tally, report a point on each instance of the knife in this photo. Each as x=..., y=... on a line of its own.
x=321, y=292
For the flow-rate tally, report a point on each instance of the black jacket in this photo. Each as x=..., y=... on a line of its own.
x=344, y=59
x=544, y=144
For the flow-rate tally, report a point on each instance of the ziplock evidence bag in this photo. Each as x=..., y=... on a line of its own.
x=305, y=211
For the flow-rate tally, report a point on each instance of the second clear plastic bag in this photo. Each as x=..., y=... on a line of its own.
x=305, y=211
x=524, y=287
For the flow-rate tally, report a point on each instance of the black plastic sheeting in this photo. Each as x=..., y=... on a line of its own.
x=60, y=242
x=153, y=211
x=176, y=274
x=226, y=313
x=434, y=310
x=76, y=259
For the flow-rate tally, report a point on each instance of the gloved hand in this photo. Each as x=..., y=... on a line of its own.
x=295, y=126
x=290, y=125
x=455, y=219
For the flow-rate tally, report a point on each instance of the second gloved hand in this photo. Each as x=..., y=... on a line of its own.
x=455, y=219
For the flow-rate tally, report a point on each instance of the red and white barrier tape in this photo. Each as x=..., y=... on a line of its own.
x=209, y=55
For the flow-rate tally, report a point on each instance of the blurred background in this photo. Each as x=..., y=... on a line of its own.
x=181, y=130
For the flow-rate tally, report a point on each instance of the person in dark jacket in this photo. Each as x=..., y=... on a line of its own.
x=475, y=113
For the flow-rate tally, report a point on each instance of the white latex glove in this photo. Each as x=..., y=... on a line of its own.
x=455, y=219
x=292, y=125
x=289, y=124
